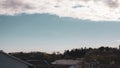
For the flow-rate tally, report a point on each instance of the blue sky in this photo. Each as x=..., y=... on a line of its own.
x=57, y=25
x=48, y=33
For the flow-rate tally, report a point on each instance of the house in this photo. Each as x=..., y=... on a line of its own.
x=8, y=61
x=78, y=63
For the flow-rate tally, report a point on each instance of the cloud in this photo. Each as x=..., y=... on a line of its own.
x=99, y=43
x=117, y=40
x=95, y=10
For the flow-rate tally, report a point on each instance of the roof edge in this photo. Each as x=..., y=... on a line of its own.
x=15, y=58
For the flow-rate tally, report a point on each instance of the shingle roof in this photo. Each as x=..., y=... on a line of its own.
x=38, y=62
x=53, y=66
x=109, y=66
x=17, y=59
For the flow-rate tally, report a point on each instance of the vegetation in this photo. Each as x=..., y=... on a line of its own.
x=104, y=55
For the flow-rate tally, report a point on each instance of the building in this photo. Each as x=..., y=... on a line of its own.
x=8, y=61
x=78, y=63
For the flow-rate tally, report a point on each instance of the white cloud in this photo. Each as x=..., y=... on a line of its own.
x=117, y=40
x=99, y=43
x=95, y=10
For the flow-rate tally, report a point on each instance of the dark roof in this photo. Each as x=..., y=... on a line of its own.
x=38, y=62
x=109, y=66
x=53, y=66
x=103, y=66
x=17, y=59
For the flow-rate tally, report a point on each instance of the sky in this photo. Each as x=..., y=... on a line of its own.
x=57, y=25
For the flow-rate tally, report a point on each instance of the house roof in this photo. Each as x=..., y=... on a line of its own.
x=38, y=62
x=17, y=59
x=53, y=66
x=109, y=66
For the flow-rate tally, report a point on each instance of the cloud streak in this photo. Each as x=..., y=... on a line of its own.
x=95, y=10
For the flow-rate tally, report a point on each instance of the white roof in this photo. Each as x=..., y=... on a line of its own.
x=66, y=62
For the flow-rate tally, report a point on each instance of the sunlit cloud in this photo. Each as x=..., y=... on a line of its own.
x=95, y=10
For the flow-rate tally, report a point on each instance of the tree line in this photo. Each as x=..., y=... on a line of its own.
x=104, y=55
